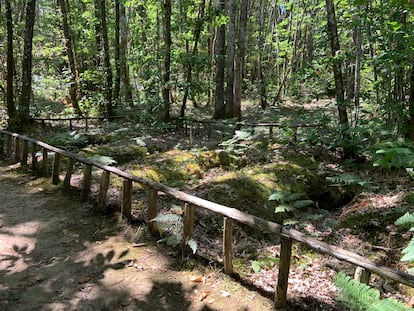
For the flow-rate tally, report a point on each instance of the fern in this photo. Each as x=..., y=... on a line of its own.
x=289, y=201
x=405, y=221
x=347, y=180
x=360, y=297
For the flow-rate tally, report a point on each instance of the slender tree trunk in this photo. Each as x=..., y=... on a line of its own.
x=410, y=124
x=123, y=48
x=262, y=83
x=110, y=108
x=230, y=60
x=239, y=64
x=11, y=109
x=117, y=84
x=358, y=57
x=339, y=86
x=26, y=88
x=189, y=73
x=166, y=90
x=219, y=52
x=74, y=89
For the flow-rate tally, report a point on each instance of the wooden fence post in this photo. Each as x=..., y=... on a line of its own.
x=9, y=145
x=1, y=145
x=87, y=181
x=103, y=190
x=56, y=168
x=68, y=175
x=34, y=158
x=152, y=210
x=362, y=275
x=126, y=198
x=188, y=228
x=228, y=245
x=17, y=151
x=45, y=163
x=25, y=153
x=283, y=277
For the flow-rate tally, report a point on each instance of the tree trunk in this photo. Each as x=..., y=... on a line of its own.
x=189, y=73
x=166, y=90
x=74, y=89
x=262, y=84
x=358, y=57
x=123, y=48
x=339, y=86
x=109, y=107
x=219, y=107
x=11, y=109
x=117, y=84
x=238, y=72
x=230, y=60
x=26, y=88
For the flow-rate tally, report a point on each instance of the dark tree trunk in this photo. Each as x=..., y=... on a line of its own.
x=74, y=88
x=166, y=90
x=11, y=109
x=230, y=60
x=123, y=47
x=109, y=107
x=189, y=73
x=339, y=86
x=117, y=84
x=219, y=107
x=239, y=64
x=26, y=87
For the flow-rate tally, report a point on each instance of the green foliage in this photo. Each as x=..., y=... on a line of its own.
x=67, y=140
x=407, y=221
x=171, y=225
x=102, y=159
x=392, y=154
x=361, y=297
x=289, y=203
x=264, y=263
x=347, y=180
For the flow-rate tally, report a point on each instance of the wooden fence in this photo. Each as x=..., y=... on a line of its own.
x=17, y=146
x=71, y=120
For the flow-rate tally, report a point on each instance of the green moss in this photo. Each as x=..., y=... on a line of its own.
x=121, y=154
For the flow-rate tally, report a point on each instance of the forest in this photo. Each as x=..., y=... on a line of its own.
x=300, y=112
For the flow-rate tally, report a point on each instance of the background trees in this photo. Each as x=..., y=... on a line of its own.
x=163, y=58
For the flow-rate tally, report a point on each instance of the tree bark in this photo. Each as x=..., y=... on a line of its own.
x=123, y=48
x=189, y=73
x=11, y=108
x=230, y=59
x=239, y=64
x=166, y=90
x=339, y=86
x=219, y=107
x=109, y=107
x=74, y=89
x=117, y=84
x=26, y=88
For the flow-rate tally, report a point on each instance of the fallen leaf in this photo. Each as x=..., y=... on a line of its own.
x=196, y=278
x=204, y=295
x=224, y=293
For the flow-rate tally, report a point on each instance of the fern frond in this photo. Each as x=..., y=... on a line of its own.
x=355, y=295
x=405, y=221
x=389, y=305
x=408, y=252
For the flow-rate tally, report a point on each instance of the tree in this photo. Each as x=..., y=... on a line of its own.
x=219, y=52
x=337, y=71
x=166, y=88
x=109, y=107
x=123, y=47
x=75, y=88
x=11, y=109
x=26, y=87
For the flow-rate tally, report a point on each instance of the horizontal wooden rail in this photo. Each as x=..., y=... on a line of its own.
x=229, y=214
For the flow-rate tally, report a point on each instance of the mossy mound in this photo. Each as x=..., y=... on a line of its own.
x=120, y=153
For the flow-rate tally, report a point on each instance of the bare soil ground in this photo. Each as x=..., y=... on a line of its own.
x=58, y=254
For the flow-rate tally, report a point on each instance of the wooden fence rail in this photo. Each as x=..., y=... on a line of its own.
x=10, y=146
x=73, y=119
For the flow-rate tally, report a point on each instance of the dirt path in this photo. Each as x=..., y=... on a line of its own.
x=57, y=254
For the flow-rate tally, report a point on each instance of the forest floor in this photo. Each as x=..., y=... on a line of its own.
x=57, y=254
x=99, y=262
